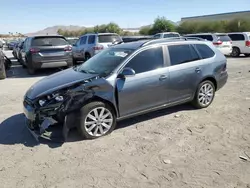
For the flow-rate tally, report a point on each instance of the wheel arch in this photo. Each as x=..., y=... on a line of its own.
x=211, y=79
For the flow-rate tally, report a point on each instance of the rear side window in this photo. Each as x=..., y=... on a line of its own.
x=224, y=38
x=108, y=38
x=83, y=40
x=170, y=35
x=206, y=37
x=182, y=54
x=49, y=41
x=147, y=60
x=91, y=39
x=204, y=51
x=236, y=37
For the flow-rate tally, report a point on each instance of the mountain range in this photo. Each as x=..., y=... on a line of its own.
x=53, y=30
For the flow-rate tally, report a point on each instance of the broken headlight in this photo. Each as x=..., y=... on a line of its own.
x=50, y=99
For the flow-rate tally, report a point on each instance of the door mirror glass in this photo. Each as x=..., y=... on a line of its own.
x=127, y=72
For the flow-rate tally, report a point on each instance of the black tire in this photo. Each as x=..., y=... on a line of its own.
x=2, y=71
x=87, y=56
x=247, y=55
x=196, y=102
x=235, y=52
x=74, y=61
x=88, y=108
x=31, y=70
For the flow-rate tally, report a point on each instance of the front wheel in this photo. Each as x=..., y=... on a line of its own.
x=204, y=95
x=87, y=57
x=97, y=119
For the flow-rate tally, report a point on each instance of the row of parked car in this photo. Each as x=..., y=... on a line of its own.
x=57, y=51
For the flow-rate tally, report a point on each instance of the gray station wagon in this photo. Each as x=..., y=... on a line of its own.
x=123, y=81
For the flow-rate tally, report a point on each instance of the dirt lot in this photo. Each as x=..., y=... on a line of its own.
x=177, y=147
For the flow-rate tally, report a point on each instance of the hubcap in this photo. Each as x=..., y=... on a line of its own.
x=206, y=94
x=98, y=121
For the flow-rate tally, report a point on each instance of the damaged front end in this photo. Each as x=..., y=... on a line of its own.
x=52, y=116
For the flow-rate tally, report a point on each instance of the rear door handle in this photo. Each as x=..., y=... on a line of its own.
x=163, y=77
x=198, y=70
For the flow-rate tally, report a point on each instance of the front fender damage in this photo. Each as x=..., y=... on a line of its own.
x=55, y=120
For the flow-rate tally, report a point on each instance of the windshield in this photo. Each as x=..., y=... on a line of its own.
x=72, y=41
x=224, y=38
x=105, y=62
x=108, y=38
x=49, y=41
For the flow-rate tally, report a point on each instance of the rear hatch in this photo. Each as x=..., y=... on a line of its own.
x=50, y=48
x=224, y=41
x=107, y=40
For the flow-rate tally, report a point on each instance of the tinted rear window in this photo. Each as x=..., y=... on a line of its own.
x=225, y=38
x=170, y=35
x=236, y=37
x=204, y=50
x=49, y=41
x=206, y=37
x=108, y=38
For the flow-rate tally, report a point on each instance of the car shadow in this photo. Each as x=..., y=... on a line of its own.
x=153, y=115
x=17, y=71
x=13, y=130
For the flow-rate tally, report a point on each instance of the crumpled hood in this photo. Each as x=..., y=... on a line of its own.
x=56, y=81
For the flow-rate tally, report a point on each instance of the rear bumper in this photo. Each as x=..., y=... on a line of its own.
x=222, y=80
x=226, y=51
x=52, y=64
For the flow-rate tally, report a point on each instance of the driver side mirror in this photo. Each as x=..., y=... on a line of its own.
x=127, y=72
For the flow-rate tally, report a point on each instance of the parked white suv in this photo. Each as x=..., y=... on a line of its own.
x=241, y=43
x=220, y=40
x=166, y=35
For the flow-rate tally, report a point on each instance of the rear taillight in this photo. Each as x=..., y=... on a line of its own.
x=68, y=49
x=248, y=43
x=218, y=43
x=98, y=47
x=34, y=50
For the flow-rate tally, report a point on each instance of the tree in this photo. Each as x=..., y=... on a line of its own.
x=145, y=30
x=161, y=24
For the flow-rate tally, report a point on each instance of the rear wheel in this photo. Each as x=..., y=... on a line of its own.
x=97, y=119
x=247, y=55
x=204, y=95
x=235, y=52
x=31, y=70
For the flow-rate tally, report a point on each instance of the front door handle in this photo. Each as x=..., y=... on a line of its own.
x=163, y=77
x=198, y=70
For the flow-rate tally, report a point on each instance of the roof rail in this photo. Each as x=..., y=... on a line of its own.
x=155, y=41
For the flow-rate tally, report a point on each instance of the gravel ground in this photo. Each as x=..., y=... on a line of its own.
x=176, y=147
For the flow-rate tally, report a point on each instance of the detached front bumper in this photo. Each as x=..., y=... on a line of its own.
x=45, y=128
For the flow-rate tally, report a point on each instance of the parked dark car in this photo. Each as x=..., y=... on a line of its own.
x=11, y=44
x=17, y=48
x=124, y=81
x=46, y=52
x=135, y=38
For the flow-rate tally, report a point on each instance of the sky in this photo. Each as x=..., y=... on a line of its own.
x=30, y=16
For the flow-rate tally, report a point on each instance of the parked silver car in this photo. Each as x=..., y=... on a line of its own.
x=90, y=44
x=124, y=81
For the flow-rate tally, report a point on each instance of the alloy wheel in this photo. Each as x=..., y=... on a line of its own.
x=98, y=121
x=206, y=94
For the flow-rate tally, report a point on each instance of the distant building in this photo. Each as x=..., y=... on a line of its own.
x=219, y=17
